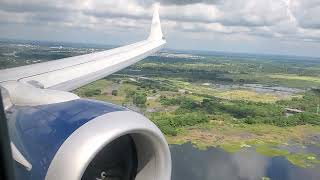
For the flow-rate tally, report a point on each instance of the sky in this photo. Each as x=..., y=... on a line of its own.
x=290, y=27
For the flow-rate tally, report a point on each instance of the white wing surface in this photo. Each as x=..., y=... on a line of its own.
x=70, y=73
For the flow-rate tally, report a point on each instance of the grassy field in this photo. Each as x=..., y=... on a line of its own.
x=205, y=99
x=247, y=95
x=315, y=79
x=207, y=104
x=218, y=132
x=221, y=123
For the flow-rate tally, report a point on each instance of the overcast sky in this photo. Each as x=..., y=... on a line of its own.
x=254, y=26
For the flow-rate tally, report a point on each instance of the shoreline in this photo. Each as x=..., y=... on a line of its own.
x=265, y=139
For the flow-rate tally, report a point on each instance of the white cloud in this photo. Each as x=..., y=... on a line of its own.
x=306, y=12
x=281, y=20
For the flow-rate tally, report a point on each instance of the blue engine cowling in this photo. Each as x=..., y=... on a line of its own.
x=44, y=134
x=39, y=131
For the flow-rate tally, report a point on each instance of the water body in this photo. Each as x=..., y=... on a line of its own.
x=190, y=163
x=259, y=88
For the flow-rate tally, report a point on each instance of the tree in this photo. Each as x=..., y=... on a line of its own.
x=139, y=99
x=92, y=92
x=114, y=92
x=130, y=93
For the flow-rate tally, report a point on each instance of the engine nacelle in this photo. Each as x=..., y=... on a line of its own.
x=86, y=139
x=80, y=149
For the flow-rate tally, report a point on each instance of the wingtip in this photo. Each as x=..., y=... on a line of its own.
x=156, y=6
x=156, y=31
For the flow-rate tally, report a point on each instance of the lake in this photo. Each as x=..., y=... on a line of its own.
x=190, y=163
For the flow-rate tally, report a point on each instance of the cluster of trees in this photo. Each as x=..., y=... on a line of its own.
x=283, y=121
x=253, y=112
x=242, y=109
x=114, y=92
x=230, y=69
x=138, y=98
x=238, y=109
x=182, y=101
x=308, y=102
x=233, y=69
x=153, y=84
x=95, y=92
x=185, y=72
x=92, y=92
x=170, y=123
x=244, y=64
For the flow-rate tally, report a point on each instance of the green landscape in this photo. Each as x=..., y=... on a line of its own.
x=227, y=102
x=161, y=89
x=230, y=101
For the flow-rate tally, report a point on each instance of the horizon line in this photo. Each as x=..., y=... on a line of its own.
x=172, y=49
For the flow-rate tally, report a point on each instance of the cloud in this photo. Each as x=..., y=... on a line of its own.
x=255, y=165
x=253, y=13
x=282, y=20
x=179, y=2
x=306, y=12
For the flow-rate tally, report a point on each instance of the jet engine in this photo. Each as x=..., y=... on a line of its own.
x=85, y=139
x=56, y=135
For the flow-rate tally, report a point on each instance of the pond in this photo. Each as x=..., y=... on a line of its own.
x=190, y=163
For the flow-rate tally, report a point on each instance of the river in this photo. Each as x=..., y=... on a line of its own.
x=190, y=163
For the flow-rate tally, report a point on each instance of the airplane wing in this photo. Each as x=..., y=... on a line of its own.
x=70, y=73
x=52, y=129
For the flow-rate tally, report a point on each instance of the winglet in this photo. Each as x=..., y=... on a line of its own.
x=156, y=32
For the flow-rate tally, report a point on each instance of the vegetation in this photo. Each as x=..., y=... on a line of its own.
x=271, y=151
x=284, y=71
x=181, y=98
x=114, y=92
x=303, y=160
x=180, y=102
x=232, y=148
x=139, y=99
x=92, y=92
x=206, y=99
x=169, y=123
